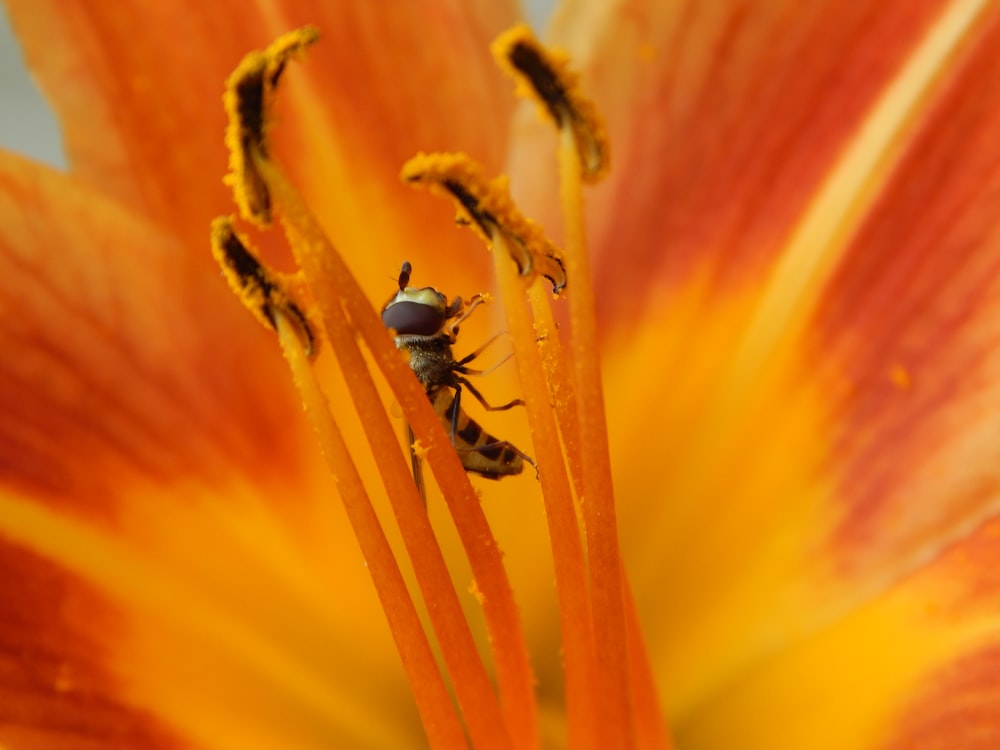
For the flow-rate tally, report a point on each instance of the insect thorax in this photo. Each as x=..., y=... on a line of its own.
x=431, y=358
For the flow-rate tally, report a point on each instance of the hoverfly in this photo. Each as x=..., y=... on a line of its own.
x=426, y=327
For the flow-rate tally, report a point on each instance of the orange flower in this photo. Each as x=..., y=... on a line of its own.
x=797, y=283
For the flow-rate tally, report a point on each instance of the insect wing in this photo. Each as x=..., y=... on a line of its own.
x=417, y=464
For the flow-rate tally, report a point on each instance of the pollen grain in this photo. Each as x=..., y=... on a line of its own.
x=486, y=206
x=544, y=75
x=249, y=90
x=262, y=291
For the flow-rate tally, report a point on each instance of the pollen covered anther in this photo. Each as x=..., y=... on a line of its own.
x=261, y=290
x=247, y=100
x=545, y=76
x=486, y=206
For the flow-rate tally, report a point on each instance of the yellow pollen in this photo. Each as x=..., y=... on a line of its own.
x=485, y=206
x=249, y=90
x=544, y=75
x=262, y=291
x=419, y=450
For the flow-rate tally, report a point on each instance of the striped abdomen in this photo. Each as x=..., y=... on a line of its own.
x=478, y=450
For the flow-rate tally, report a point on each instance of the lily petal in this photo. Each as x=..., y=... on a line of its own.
x=956, y=704
x=373, y=96
x=912, y=669
x=250, y=632
x=909, y=327
x=125, y=345
x=807, y=488
x=724, y=119
x=54, y=687
x=153, y=507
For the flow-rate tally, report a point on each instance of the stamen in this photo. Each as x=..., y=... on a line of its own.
x=598, y=500
x=557, y=378
x=545, y=75
x=247, y=99
x=261, y=290
x=610, y=696
x=457, y=177
x=631, y=707
x=339, y=298
x=333, y=286
x=440, y=721
x=584, y=715
x=485, y=206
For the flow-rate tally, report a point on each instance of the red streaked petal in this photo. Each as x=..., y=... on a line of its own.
x=120, y=350
x=209, y=614
x=956, y=706
x=913, y=668
x=138, y=89
x=55, y=689
x=958, y=703
x=806, y=481
x=724, y=120
x=909, y=330
x=154, y=450
x=383, y=87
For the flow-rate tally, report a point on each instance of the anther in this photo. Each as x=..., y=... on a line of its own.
x=545, y=75
x=260, y=289
x=247, y=101
x=486, y=207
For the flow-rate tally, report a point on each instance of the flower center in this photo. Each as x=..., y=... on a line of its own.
x=610, y=700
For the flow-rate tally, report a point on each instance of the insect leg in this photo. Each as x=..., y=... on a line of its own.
x=469, y=357
x=481, y=399
x=472, y=305
x=459, y=367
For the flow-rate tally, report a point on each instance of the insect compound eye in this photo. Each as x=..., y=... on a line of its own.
x=413, y=318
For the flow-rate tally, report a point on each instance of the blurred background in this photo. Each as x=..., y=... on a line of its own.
x=27, y=125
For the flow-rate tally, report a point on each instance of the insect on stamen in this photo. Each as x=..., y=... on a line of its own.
x=425, y=327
